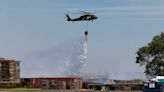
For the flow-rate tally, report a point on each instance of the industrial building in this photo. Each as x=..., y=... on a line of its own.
x=61, y=83
x=126, y=85
x=9, y=71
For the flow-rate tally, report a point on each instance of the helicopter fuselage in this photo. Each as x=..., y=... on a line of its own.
x=87, y=17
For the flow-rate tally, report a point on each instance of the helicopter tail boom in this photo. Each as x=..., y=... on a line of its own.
x=68, y=18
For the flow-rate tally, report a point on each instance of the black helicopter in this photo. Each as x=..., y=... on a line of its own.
x=87, y=16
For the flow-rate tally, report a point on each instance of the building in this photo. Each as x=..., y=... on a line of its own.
x=61, y=83
x=126, y=85
x=9, y=71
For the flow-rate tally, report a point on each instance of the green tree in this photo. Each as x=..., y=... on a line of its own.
x=152, y=56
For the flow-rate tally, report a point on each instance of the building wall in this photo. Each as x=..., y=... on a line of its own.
x=9, y=71
x=4, y=71
x=57, y=83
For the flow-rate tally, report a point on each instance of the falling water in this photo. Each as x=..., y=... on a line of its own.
x=67, y=59
x=75, y=62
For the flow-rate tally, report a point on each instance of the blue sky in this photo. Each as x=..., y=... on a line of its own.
x=29, y=27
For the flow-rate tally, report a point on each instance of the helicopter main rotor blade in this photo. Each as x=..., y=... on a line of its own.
x=85, y=12
x=77, y=13
x=93, y=12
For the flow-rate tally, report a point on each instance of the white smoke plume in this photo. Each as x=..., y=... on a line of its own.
x=67, y=59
